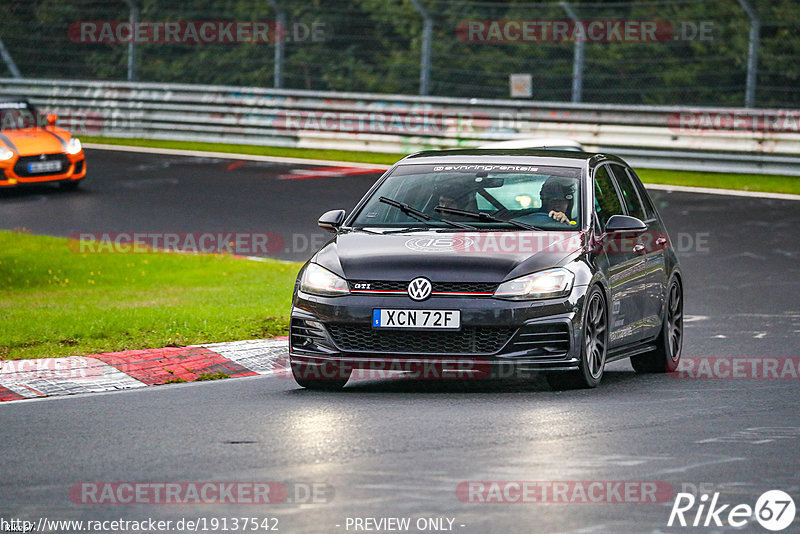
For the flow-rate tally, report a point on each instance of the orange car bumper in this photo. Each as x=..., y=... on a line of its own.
x=15, y=171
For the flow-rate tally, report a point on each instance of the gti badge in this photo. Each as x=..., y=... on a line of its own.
x=419, y=288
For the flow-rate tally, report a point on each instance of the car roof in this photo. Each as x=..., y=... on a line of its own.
x=526, y=156
x=550, y=143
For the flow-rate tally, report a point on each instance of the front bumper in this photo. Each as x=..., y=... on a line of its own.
x=496, y=336
x=12, y=172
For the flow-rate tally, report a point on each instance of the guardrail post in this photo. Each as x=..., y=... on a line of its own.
x=752, y=53
x=427, y=40
x=9, y=61
x=577, y=57
x=280, y=26
x=133, y=18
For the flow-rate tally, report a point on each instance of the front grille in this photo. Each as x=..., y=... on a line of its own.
x=21, y=167
x=438, y=287
x=464, y=287
x=468, y=340
x=545, y=340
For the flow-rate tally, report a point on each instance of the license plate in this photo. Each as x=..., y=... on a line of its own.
x=44, y=166
x=422, y=319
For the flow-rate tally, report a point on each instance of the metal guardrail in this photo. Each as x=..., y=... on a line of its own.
x=709, y=139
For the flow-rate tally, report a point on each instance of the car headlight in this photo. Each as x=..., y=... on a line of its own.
x=73, y=146
x=5, y=153
x=320, y=281
x=544, y=284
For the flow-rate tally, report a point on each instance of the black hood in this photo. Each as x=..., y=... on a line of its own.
x=447, y=257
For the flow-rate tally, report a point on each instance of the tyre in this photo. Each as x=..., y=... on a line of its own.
x=594, y=347
x=669, y=343
x=330, y=376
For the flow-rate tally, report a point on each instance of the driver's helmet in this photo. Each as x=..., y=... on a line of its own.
x=558, y=188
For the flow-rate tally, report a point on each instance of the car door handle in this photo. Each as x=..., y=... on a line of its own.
x=638, y=248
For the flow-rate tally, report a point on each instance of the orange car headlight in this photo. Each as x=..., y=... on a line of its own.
x=73, y=146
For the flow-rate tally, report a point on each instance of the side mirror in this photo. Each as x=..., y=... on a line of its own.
x=331, y=220
x=624, y=223
x=51, y=119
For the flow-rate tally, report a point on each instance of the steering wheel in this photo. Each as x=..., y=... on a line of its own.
x=542, y=216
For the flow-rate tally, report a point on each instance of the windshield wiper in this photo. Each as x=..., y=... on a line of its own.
x=438, y=230
x=484, y=217
x=420, y=215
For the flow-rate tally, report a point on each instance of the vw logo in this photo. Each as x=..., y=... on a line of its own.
x=419, y=288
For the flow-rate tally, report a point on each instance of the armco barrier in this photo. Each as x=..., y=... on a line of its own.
x=714, y=139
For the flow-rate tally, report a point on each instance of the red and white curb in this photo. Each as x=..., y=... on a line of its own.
x=44, y=377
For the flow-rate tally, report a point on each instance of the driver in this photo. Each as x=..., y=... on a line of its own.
x=557, y=196
x=455, y=196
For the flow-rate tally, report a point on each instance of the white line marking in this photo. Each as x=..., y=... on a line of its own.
x=263, y=356
x=725, y=192
x=63, y=376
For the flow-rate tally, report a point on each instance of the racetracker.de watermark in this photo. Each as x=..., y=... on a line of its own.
x=203, y=493
x=236, y=243
x=743, y=122
x=558, y=242
x=68, y=368
x=194, y=32
x=76, y=121
x=399, y=121
x=593, y=30
x=563, y=492
x=381, y=368
x=738, y=368
x=175, y=32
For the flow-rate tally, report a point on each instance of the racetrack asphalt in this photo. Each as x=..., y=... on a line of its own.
x=133, y=192
x=400, y=448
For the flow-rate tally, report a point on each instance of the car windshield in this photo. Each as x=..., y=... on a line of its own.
x=17, y=114
x=527, y=194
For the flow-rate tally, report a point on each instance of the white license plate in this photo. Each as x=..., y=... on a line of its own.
x=444, y=319
x=44, y=166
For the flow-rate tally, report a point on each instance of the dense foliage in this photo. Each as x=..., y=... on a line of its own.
x=375, y=46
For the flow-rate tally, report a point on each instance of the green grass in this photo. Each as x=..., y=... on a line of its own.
x=56, y=302
x=742, y=182
x=745, y=182
x=286, y=152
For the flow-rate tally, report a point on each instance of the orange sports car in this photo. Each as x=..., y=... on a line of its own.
x=33, y=150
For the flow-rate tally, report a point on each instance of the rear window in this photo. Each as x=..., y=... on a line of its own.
x=606, y=201
x=647, y=204
x=629, y=194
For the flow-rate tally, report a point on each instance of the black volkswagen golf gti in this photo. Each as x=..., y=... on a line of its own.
x=473, y=263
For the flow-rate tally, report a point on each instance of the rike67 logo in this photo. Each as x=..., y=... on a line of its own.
x=774, y=510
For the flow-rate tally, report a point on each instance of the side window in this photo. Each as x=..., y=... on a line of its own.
x=629, y=194
x=649, y=210
x=606, y=201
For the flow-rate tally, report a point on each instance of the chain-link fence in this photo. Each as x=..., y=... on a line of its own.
x=681, y=52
